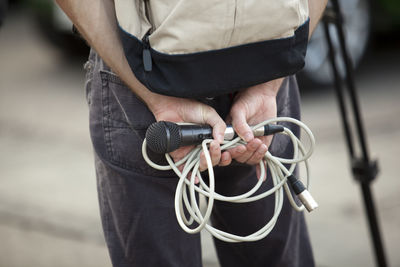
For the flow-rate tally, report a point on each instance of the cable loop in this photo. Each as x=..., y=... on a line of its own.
x=278, y=171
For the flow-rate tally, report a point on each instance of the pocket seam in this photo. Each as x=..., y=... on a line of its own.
x=106, y=118
x=108, y=77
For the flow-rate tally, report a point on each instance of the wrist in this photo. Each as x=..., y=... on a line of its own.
x=152, y=100
x=271, y=88
x=159, y=104
x=267, y=89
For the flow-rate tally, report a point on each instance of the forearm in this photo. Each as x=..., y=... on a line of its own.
x=316, y=9
x=96, y=21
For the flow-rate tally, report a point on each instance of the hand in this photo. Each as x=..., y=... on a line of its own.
x=251, y=106
x=186, y=110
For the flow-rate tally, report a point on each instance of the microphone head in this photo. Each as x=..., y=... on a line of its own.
x=163, y=137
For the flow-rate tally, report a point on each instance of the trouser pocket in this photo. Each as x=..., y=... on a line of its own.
x=118, y=123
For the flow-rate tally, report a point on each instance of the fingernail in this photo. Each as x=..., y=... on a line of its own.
x=223, y=157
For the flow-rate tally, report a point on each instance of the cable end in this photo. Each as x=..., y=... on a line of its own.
x=270, y=129
x=302, y=193
x=308, y=201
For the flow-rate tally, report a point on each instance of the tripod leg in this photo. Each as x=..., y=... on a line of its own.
x=363, y=169
x=339, y=90
x=350, y=82
x=373, y=224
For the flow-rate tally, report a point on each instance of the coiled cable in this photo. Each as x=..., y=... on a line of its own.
x=281, y=177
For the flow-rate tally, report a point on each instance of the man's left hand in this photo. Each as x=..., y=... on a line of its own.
x=252, y=106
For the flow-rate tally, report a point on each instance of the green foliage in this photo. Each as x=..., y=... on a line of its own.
x=42, y=8
x=392, y=8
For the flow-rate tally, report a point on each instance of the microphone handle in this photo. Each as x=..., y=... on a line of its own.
x=193, y=134
x=268, y=129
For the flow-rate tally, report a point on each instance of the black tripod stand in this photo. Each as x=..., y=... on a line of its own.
x=364, y=170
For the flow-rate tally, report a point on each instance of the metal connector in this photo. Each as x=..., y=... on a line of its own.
x=308, y=201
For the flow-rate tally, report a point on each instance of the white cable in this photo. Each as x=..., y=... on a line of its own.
x=278, y=171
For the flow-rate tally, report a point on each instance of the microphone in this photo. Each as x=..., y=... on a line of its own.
x=164, y=136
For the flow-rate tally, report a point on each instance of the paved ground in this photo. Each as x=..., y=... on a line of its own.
x=48, y=203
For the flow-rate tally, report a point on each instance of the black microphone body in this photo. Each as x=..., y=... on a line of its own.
x=194, y=134
x=164, y=137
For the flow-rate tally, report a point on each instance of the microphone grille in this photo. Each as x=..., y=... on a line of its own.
x=163, y=137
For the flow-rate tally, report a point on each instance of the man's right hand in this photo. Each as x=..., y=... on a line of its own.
x=166, y=108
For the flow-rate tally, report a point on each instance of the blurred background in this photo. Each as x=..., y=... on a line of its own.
x=48, y=204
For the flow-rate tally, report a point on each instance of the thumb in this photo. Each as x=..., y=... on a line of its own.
x=240, y=125
x=212, y=118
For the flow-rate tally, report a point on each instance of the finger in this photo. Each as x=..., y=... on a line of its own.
x=215, y=155
x=240, y=125
x=180, y=168
x=196, y=178
x=226, y=159
x=251, y=147
x=215, y=152
x=237, y=151
x=258, y=172
x=266, y=140
x=257, y=155
x=211, y=117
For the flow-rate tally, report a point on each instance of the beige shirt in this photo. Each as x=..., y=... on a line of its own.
x=187, y=26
